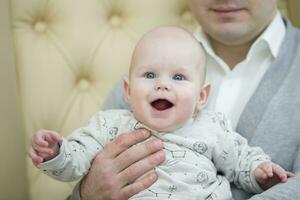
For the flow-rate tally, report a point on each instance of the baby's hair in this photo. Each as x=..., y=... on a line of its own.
x=164, y=32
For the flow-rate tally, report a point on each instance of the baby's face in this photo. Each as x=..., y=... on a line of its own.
x=165, y=84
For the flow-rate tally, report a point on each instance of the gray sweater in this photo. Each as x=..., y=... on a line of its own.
x=271, y=119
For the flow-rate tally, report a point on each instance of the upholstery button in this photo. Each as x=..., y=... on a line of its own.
x=115, y=20
x=83, y=84
x=40, y=26
x=187, y=16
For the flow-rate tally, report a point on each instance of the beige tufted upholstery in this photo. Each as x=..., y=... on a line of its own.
x=69, y=53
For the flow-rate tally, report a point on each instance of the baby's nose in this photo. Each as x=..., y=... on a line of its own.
x=162, y=85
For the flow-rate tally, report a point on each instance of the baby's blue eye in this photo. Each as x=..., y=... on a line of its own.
x=178, y=77
x=149, y=75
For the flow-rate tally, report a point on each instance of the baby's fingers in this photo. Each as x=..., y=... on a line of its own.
x=36, y=159
x=280, y=172
x=260, y=174
x=40, y=139
x=290, y=174
x=43, y=150
x=267, y=168
x=54, y=137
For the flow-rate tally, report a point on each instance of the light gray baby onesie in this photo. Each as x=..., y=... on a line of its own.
x=202, y=156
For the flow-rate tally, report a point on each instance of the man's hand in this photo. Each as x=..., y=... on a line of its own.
x=269, y=174
x=44, y=146
x=124, y=167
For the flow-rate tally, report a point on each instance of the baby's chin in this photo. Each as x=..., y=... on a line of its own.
x=164, y=129
x=170, y=124
x=161, y=127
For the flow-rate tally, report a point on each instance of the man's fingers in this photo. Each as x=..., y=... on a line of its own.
x=139, y=185
x=124, y=141
x=137, y=152
x=139, y=168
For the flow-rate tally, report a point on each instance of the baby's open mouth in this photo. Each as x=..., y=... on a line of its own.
x=161, y=104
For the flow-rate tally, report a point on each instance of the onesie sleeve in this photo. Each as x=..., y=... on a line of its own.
x=234, y=158
x=78, y=151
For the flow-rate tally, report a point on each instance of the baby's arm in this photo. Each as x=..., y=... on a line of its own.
x=235, y=159
x=72, y=158
x=268, y=174
x=44, y=146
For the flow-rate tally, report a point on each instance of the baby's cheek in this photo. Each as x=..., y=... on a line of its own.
x=190, y=99
x=188, y=107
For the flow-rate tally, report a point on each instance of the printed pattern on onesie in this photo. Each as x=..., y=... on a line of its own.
x=202, y=156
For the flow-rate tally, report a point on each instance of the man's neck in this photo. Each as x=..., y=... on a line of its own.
x=231, y=54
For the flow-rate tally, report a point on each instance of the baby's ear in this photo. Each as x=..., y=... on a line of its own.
x=126, y=89
x=204, y=93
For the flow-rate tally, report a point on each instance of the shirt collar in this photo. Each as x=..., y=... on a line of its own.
x=203, y=39
x=272, y=40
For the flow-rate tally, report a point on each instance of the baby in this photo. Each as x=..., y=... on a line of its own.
x=167, y=92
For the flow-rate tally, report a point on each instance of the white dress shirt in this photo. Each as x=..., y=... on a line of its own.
x=232, y=89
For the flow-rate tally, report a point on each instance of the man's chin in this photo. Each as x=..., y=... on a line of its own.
x=231, y=37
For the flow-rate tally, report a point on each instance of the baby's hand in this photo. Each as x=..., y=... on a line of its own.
x=44, y=146
x=268, y=174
